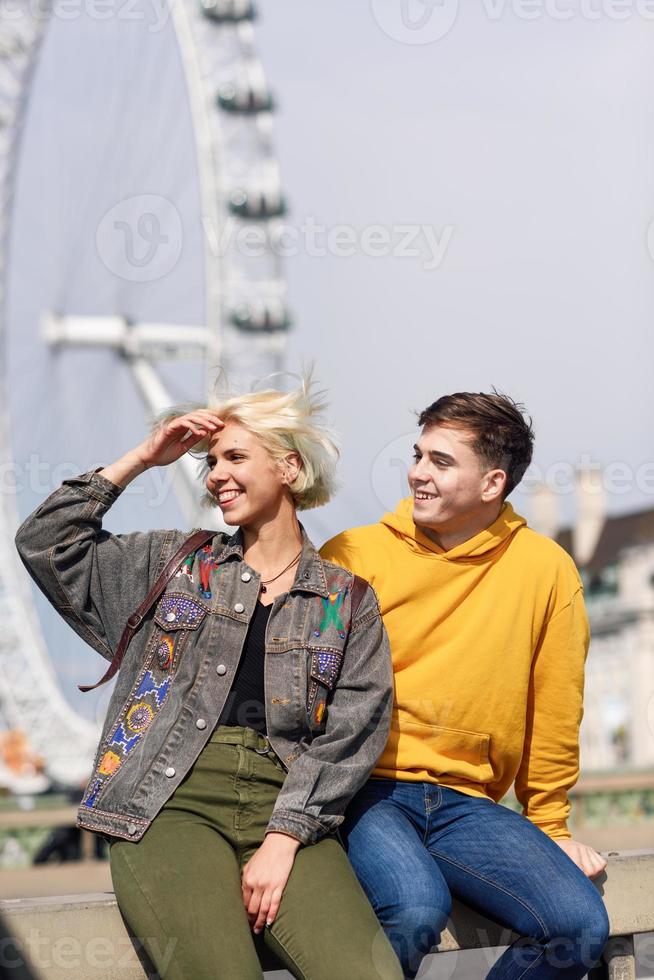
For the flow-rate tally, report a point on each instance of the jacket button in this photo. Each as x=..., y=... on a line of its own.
x=200, y=723
x=239, y=607
x=170, y=771
x=221, y=669
x=170, y=617
x=131, y=828
x=245, y=577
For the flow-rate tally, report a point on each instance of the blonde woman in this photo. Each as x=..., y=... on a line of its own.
x=251, y=705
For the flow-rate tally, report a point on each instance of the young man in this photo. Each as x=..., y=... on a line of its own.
x=489, y=636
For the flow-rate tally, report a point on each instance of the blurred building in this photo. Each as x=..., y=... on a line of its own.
x=615, y=556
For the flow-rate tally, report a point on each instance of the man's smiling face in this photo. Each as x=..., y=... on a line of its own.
x=447, y=478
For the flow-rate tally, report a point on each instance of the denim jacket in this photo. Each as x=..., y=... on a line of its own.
x=328, y=682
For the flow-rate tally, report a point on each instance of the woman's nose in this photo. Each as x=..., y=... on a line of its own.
x=217, y=475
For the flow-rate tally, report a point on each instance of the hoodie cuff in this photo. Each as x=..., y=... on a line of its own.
x=556, y=829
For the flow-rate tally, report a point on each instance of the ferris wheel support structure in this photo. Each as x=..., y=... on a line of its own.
x=246, y=317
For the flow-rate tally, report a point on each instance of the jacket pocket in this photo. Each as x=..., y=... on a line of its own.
x=452, y=752
x=324, y=668
x=179, y=611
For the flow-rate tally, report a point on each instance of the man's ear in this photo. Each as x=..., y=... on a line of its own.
x=291, y=467
x=493, y=486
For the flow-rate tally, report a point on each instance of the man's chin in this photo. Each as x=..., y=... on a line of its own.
x=427, y=517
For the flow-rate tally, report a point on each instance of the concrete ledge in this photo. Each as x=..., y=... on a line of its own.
x=83, y=936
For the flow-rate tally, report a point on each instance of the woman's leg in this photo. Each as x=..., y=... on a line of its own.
x=179, y=890
x=325, y=926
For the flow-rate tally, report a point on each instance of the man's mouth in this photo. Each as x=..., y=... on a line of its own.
x=423, y=495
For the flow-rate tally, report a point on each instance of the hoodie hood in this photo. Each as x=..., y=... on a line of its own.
x=490, y=539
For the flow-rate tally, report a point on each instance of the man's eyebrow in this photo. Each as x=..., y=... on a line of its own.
x=436, y=454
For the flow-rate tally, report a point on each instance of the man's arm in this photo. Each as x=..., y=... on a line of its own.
x=550, y=760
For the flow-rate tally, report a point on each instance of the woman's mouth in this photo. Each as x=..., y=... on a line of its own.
x=227, y=497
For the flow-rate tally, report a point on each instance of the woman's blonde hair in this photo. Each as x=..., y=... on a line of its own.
x=286, y=422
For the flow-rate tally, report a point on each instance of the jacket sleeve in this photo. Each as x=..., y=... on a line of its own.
x=323, y=780
x=550, y=761
x=93, y=579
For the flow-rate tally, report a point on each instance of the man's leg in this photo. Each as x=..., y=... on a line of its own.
x=325, y=927
x=498, y=862
x=384, y=832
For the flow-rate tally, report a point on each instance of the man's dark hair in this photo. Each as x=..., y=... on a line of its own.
x=502, y=436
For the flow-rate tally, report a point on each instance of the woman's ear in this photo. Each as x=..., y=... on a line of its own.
x=291, y=467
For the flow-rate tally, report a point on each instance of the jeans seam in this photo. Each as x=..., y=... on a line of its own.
x=150, y=905
x=533, y=963
x=500, y=888
x=303, y=975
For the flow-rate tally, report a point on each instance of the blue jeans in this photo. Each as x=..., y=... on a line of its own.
x=414, y=845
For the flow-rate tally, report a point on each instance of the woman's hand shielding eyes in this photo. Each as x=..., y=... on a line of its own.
x=169, y=442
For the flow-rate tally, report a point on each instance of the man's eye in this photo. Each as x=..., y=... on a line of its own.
x=416, y=457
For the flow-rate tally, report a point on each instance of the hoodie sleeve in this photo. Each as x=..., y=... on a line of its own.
x=550, y=760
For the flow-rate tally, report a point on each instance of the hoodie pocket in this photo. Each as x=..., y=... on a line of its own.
x=451, y=752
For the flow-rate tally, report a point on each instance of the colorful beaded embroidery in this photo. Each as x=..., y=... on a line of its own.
x=177, y=610
x=148, y=699
x=165, y=653
x=139, y=716
x=325, y=666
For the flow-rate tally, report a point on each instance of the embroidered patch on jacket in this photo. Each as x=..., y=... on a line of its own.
x=325, y=666
x=318, y=712
x=207, y=563
x=148, y=699
x=332, y=607
x=176, y=610
x=186, y=569
x=165, y=652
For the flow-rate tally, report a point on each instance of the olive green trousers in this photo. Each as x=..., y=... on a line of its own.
x=179, y=887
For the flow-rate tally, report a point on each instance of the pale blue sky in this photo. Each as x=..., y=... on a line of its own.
x=525, y=147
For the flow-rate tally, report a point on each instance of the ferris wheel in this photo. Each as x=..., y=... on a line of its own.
x=124, y=281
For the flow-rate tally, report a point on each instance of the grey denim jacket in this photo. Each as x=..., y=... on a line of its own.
x=328, y=682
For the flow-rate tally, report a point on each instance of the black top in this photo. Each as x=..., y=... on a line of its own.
x=245, y=704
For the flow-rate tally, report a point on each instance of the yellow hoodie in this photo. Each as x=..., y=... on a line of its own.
x=489, y=642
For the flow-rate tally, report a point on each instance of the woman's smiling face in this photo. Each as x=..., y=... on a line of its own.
x=245, y=481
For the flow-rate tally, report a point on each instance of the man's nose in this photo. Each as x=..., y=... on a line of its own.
x=415, y=470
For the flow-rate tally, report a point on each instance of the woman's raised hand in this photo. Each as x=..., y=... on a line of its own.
x=170, y=441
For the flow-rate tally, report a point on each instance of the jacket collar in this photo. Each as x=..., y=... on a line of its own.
x=310, y=575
